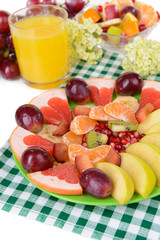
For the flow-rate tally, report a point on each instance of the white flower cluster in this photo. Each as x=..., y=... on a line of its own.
x=83, y=39
x=143, y=56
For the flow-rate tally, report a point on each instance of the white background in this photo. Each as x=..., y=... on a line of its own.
x=12, y=95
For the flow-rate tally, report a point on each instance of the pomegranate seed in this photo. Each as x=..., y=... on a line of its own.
x=114, y=139
x=122, y=134
x=131, y=135
x=122, y=150
x=142, y=135
x=124, y=141
x=84, y=144
x=102, y=124
x=127, y=138
x=142, y=27
x=98, y=127
x=118, y=147
x=107, y=132
x=99, y=8
x=115, y=134
x=133, y=140
x=104, y=29
x=158, y=15
x=112, y=144
x=106, y=125
x=85, y=137
x=136, y=134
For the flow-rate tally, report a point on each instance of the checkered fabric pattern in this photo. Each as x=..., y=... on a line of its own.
x=136, y=221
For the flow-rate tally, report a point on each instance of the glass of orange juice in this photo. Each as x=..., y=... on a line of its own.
x=41, y=44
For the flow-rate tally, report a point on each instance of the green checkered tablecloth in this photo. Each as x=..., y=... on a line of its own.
x=133, y=221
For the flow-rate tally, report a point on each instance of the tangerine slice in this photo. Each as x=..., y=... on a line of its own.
x=70, y=138
x=99, y=114
x=62, y=179
x=121, y=111
x=82, y=124
x=97, y=154
x=101, y=90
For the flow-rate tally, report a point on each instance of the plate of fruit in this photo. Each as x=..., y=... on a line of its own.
x=94, y=142
x=121, y=21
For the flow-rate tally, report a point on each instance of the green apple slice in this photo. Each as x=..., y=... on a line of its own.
x=152, y=119
x=153, y=138
x=142, y=174
x=123, y=185
x=150, y=154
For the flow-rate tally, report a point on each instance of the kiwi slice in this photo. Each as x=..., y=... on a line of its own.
x=120, y=126
x=96, y=139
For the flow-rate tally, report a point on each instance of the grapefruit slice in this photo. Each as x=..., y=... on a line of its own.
x=53, y=105
x=62, y=179
x=149, y=16
x=21, y=139
x=82, y=124
x=101, y=90
x=99, y=114
x=97, y=154
x=121, y=111
x=150, y=93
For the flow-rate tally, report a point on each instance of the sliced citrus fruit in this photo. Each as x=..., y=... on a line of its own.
x=21, y=139
x=97, y=154
x=122, y=3
x=62, y=179
x=99, y=114
x=149, y=16
x=82, y=124
x=101, y=90
x=70, y=138
x=53, y=105
x=150, y=92
x=121, y=111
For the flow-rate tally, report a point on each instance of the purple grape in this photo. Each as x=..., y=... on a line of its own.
x=128, y=8
x=29, y=117
x=2, y=41
x=1, y=58
x=10, y=70
x=96, y=183
x=32, y=2
x=4, y=26
x=75, y=6
x=129, y=83
x=36, y=159
x=78, y=91
x=9, y=42
x=49, y=2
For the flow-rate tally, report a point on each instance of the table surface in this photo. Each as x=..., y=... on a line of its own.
x=12, y=95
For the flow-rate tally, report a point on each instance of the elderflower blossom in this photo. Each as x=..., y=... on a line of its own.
x=83, y=39
x=143, y=56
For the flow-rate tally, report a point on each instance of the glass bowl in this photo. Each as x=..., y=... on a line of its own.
x=117, y=43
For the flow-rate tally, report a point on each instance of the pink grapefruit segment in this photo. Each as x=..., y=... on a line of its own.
x=150, y=92
x=53, y=105
x=101, y=90
x=62, y=179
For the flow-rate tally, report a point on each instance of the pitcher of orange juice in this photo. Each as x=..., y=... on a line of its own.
x=41, y=44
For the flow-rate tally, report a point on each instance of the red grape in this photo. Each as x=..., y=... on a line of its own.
x=96, y=183
x=36, y=159
x=32, y=2
x=29, y=117
x=4, y=26
x=142, y=27
x=158, y=15
x=9, y=42
x=129, y=83
x=50, y=2
x=2, y=41
x=9, y=69
x=1, y=58
x=75, y=6
x=78, y=91
x=128, y=8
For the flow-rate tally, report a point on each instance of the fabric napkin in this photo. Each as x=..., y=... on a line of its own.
x=135, y=221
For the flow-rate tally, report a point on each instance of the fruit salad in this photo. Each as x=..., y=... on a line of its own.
x=121, y=20
x=81, y=139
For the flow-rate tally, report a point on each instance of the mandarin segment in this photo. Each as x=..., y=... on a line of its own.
x=71, y=138
x=121, y=112
x=97, y=154
x=99, y=114
x=82, y=124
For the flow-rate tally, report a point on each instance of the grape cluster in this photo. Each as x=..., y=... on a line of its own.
x=71, y=6
x=8, y=63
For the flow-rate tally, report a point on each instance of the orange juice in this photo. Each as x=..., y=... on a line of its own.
x=41, y=44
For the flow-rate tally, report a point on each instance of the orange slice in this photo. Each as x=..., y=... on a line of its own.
x=149, y=16
x=99, y=114
x=101, y=90
x=121, y=111
x=82, y=124
x=71, y=138
x=97, y=154
x=62, y=179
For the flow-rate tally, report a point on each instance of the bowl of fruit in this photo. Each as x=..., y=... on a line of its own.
x=122, y=21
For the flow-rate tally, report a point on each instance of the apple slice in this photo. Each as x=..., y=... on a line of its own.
x=123, y=185
x=152, y=119
x=154, y=129
x=153, y=138
x=142, y=174
x=110, y=12
x=150, y=154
